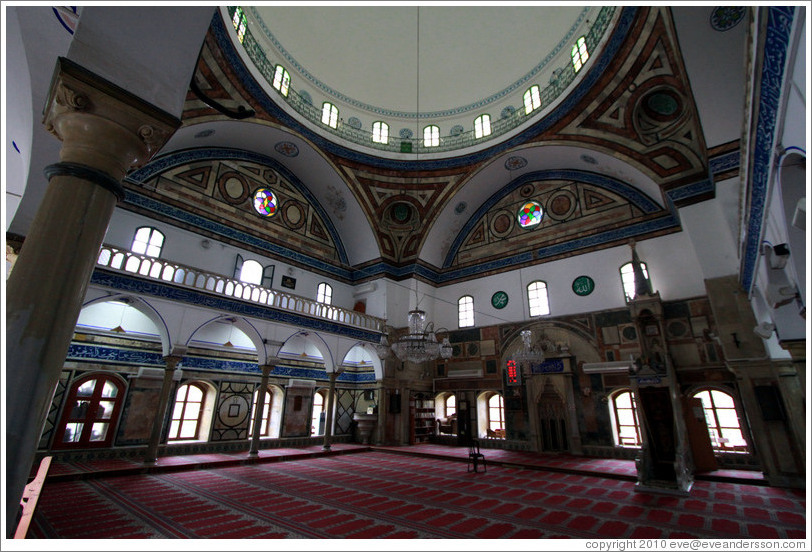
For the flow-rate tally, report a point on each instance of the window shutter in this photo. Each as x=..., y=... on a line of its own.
x=238, y=267
x=267, y=276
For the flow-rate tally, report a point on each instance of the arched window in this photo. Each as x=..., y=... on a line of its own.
x=625, y=423
x=627, y=277
x=187, y=413
x=579, y=54
x=318, y=419
x=324, y=293
x=281, y=80
x=329, y=115
x=496, y=414
x=723, y=422
x=251, y=272
x=482, y=126
x=148, y=241
x=431, y=136
x=465, y=308
x=450, y=405
x=380, y=132
x=90, y=414
x=265, y=424
x=537, y=298
x=532, y=99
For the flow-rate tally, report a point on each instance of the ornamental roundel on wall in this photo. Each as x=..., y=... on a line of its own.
x=724, y=18
x=583, y=286
x=499, y=300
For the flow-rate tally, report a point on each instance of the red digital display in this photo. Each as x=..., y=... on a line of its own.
x=513, y=377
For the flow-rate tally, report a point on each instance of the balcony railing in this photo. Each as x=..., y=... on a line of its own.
x=189, y=277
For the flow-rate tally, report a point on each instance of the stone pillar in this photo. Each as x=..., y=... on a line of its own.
x=253, y=452
x=105, y=131
x=328, y=423
x=151, y=455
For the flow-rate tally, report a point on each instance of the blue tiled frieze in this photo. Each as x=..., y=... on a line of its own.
x=691, y=190
x=83, y=352
x=205, y=363
x=769, y=85
x=726, y=162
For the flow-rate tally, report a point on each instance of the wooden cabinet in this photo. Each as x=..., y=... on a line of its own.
x=421, y=410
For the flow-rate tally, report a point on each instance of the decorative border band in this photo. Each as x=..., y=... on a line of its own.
x=82, y=352
x=77, y=170
x=776, y=46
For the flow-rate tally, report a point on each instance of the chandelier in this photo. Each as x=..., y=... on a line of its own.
x=530, y=353
x=419, y=345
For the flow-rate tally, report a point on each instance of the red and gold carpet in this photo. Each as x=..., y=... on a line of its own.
x=375, y=495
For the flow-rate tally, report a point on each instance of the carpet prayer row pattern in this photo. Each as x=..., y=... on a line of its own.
x=383, y=495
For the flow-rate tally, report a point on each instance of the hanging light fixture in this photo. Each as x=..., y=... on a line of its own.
x=384, y=349
x=530, y=353
x=420, y=344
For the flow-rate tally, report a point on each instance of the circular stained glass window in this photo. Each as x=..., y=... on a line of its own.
x=530, y=214
x=265, y=202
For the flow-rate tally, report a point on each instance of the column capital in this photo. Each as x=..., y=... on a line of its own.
x=101, y=125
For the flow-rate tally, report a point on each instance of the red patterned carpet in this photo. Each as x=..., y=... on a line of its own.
x=372, y=495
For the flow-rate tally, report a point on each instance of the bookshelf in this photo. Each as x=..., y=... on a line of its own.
x=421, y=408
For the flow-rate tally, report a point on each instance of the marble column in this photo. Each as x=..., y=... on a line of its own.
x=151, y=455
x=253, y=452
x=105, y=131
x=328, y=424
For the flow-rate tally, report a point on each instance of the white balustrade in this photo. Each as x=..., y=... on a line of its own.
x=195, y=278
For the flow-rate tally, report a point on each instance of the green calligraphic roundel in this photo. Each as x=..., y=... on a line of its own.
x=499, y=300
x=583, y=285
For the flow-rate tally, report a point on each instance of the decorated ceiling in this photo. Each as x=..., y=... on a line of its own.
x=613, y=159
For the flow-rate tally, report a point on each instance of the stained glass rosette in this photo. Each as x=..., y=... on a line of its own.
x=265, y=202
x=529, y=215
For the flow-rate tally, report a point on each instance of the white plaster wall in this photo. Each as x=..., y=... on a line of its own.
x=109, y=41
x=671, y=262
x=796, y=124
x=110, y=314
x=711, y=237
x=717, y=56
x=17, y=115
